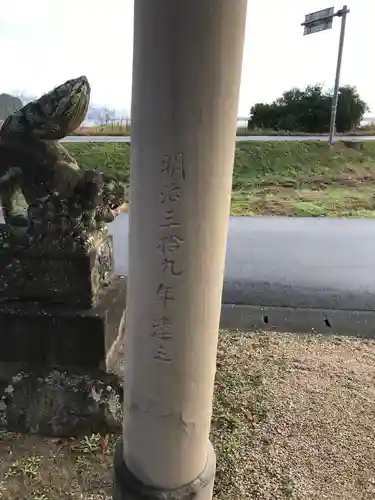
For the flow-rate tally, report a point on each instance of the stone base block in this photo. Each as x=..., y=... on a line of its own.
x=57, y=403
x=60, y=336
x=72, y=275
x=126, y=486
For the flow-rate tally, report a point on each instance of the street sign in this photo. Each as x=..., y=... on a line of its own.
x=318, y=21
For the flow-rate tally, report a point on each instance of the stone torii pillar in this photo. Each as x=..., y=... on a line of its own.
x=186, y=78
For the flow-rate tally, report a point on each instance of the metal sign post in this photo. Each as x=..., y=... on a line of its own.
x=321, y=21
x=332, y=125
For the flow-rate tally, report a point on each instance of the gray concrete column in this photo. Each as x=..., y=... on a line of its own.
x=186, y=78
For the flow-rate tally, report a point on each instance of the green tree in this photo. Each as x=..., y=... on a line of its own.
x=350, y=109
x=309, y=111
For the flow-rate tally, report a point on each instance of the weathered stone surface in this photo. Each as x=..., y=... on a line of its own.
x=61, y=309
x=59, y=403
x=29, y=141
x=57, y=336
x=69, y=275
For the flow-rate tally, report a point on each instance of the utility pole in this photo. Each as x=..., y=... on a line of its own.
x=321, y=21
x=186, y=78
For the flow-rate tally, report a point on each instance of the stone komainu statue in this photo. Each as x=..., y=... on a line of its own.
x=33, y=163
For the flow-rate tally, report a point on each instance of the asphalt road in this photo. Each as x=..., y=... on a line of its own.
x=285, y=261
x=245, y=138
x=292, y=274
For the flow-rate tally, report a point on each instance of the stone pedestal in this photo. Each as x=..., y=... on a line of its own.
x=46, y=273
x=62, y=313
x=55, y=335
x=59, y=403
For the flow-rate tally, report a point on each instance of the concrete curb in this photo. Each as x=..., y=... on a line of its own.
x=297, y=310
x=299, y=320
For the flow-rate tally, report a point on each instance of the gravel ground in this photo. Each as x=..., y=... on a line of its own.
x=293, y=419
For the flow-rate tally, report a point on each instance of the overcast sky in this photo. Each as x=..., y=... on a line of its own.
x=44, y=42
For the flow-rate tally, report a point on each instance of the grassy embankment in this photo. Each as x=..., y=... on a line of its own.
x=293, y=420
x=277, y=178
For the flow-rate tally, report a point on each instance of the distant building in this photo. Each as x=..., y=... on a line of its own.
x=8, y=104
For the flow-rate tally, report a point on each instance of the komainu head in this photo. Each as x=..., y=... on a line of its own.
x=70, y=102
x=54, y=115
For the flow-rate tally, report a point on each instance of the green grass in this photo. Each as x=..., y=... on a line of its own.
x=276, y=178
